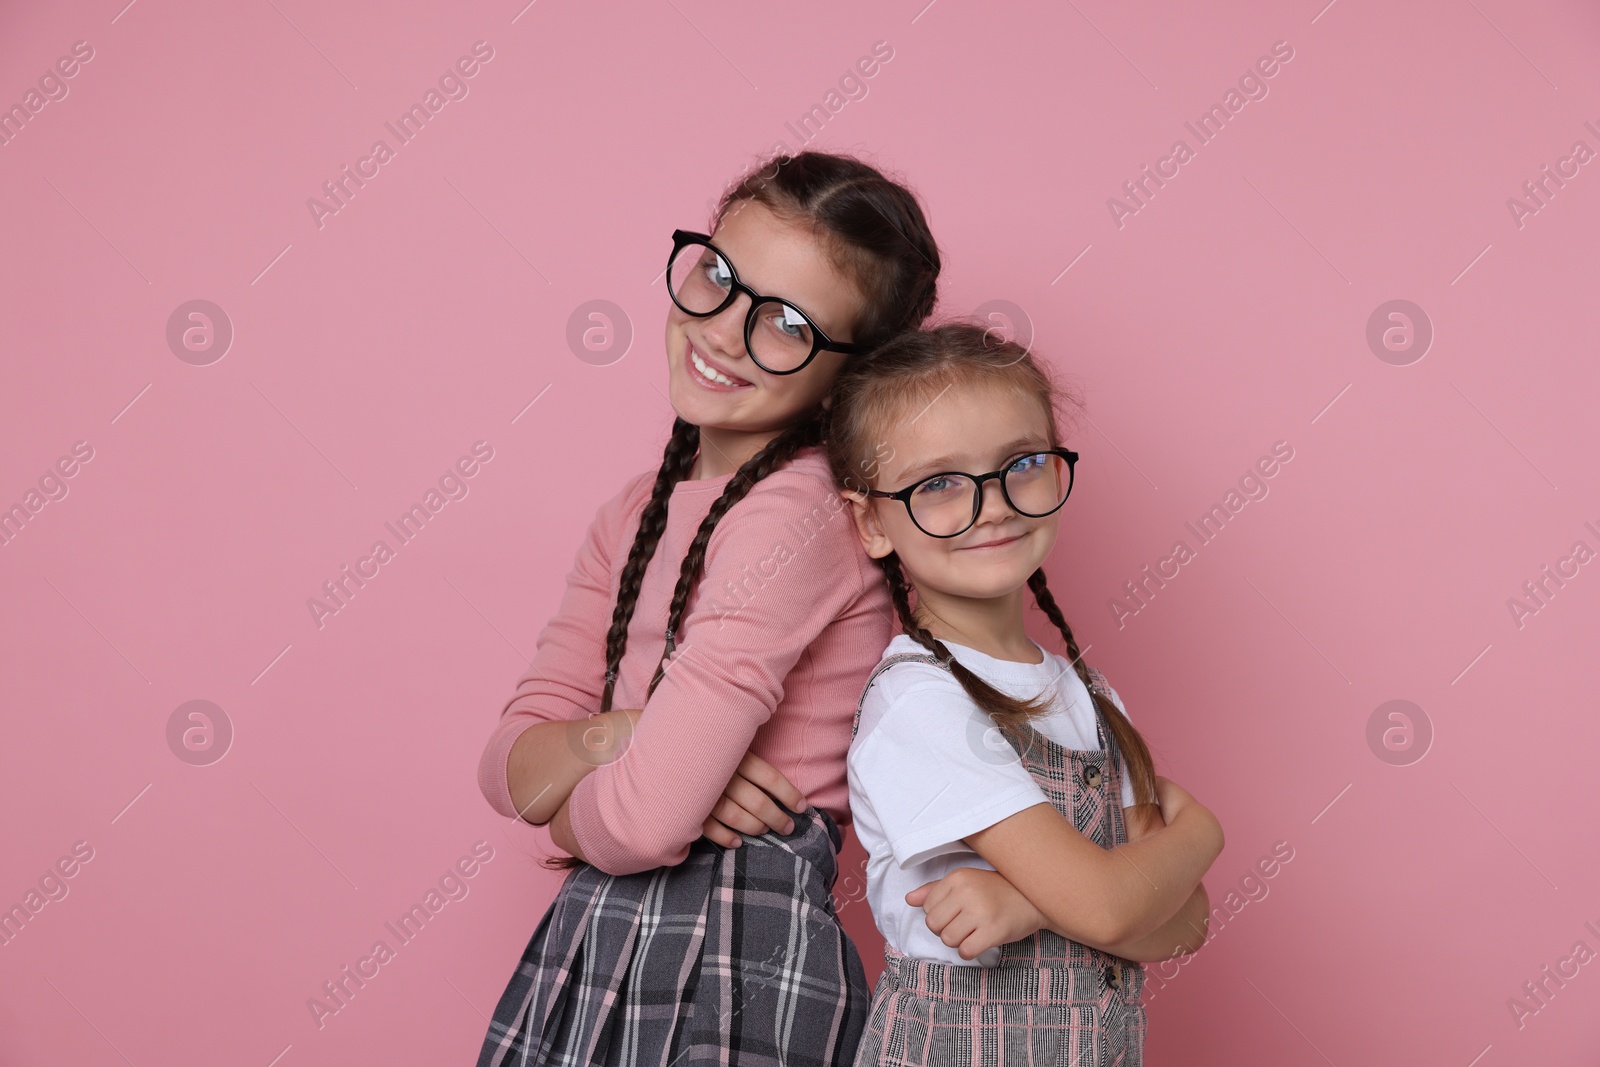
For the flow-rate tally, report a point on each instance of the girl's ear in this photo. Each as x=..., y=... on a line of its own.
x=873, y=539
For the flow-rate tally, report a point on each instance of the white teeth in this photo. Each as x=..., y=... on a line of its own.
x=709, y=371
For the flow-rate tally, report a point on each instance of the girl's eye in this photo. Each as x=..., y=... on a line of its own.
x=717, y=272
x=789, y=325
x=937, y=486
x=792, y=322
x=1024, y=464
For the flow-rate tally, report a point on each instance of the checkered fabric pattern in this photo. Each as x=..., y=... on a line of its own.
x=733, y=957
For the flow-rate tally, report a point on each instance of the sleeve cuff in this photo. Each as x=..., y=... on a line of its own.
x=947, y=836
x=492, y=779
x=599, y=847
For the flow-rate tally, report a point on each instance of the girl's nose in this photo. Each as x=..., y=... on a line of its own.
x=725, y=329
x=994, y=507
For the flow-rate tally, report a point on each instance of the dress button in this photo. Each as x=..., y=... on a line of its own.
x=1114, y=976
x=1091, y=776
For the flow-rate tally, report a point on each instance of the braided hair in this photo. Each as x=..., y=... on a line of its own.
x=905, y=375
x=875, y=231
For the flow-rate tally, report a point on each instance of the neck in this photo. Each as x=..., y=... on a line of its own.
x=725, y=451
x=992, y=625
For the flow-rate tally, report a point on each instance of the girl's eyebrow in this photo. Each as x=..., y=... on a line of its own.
x=816, y=321
x=944, y=462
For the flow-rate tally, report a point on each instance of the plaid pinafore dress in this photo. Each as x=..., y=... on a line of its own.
x=732, y=957
x=1050, y=1002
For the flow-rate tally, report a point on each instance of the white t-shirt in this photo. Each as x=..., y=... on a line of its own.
x=927, y=767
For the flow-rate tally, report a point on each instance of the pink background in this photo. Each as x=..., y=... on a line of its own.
x=1229, y=313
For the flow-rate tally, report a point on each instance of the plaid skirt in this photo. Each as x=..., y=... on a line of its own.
x=732, y=957
x=1080, y=1010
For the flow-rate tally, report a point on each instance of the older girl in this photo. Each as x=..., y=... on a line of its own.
x=724, y=602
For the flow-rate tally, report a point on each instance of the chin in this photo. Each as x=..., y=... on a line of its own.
x=997, y=589
x=995, y=582
x=964, y=583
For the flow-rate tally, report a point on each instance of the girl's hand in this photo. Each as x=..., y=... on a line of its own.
x=747, y=804
x=974, y=909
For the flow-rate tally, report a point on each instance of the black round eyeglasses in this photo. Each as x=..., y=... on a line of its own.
x=946, y=504
x=780, y=337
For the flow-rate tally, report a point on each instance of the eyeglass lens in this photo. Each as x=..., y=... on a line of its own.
x=947, y=504
x=781, y=337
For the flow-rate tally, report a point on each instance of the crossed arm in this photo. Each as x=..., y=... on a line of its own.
x=549, y=759
x=1185, y=931
x=542, y=775
x=1142, y=900
x=640, y=790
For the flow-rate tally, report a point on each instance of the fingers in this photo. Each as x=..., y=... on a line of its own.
x=736, y=817
x=939, y=906
x=955, y=910
x=975, y=945
x=720, y=834
x=763, y=774
x=745, y=807
x=960, y=930
x=958, y=924
x=754, y=801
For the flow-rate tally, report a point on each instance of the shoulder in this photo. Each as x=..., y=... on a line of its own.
x=630, y=498
x=909, y=677
x=797, y=503
x=805, y=480
x=617, y=517
x=917, y=688
x=635, y=491
x=922, y=739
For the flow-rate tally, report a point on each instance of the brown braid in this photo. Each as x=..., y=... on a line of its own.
x=676, y=464
x=1135, y=753
x=780, y=450
x=1009, y=712
x=877, y=235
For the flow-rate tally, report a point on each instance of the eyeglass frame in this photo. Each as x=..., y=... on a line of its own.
x=904, y=495
x=819, y=341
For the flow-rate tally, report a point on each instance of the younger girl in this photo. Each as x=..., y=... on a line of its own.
x=1017, y=863
x=724, y=603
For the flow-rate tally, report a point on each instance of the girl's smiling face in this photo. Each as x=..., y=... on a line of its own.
x=774, y=257
x=973, y=428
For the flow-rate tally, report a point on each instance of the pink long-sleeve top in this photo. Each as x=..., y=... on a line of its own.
x=787, y=621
